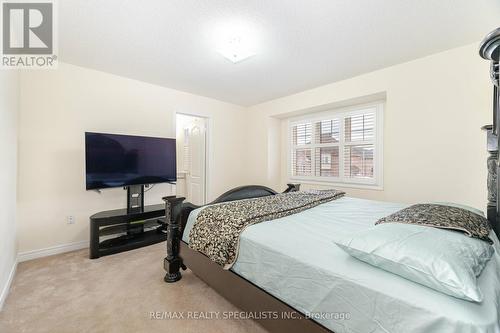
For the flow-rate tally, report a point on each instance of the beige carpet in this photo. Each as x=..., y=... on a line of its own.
x=70, y=293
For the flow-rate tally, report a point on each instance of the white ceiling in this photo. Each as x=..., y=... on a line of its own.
x=302, y=43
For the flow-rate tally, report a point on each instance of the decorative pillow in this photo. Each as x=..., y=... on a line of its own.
x=446, y=261
x=444, y=217
x=453, y=204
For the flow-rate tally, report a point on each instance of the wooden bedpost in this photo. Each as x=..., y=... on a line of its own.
x=173, y=262
x=489, y=49
x=492, y=162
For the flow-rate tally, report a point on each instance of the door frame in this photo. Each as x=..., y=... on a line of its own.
x=208, y=140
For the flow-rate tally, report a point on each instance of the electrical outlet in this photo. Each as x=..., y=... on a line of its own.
x=70, y=219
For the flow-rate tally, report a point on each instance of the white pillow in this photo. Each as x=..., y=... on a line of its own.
x=444, y=260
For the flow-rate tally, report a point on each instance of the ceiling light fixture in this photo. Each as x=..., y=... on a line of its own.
x=235, y=41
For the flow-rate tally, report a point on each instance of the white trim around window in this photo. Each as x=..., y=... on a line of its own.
x=340, y=147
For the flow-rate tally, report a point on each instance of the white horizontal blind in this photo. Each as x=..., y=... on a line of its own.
x=302, y=153
x=327, y=139
x=359, y=131
x=337, y=147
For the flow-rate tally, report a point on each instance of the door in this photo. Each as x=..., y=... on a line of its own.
x=196, y=172
x=191, y=153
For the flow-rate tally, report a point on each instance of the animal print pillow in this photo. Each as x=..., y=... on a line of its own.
x=444, y=217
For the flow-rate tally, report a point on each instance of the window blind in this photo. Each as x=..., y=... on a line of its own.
x=340, y=147
x=359, y=146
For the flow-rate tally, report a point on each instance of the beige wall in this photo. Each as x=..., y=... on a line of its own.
x=9, y=98
x=58, y=106
x=433, y=147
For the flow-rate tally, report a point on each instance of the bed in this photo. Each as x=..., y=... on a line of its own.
x=290, y=266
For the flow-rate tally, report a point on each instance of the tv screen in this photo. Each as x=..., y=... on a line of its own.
x=114, y=160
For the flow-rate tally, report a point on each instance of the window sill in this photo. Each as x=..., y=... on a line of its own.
x=374, y=187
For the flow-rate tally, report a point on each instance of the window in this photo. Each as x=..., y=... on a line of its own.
x=343, y=146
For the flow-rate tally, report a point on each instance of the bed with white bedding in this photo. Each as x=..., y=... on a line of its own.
x=301, y=261
x=294, y=259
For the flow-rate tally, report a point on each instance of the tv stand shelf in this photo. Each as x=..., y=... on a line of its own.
x=125, y=230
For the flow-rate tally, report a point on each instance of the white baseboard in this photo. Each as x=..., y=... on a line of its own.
x=50, y=251
x=6, y=287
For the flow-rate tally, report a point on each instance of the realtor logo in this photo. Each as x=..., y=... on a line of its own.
x=28, y=34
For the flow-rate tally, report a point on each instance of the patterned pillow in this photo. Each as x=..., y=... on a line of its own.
x=444, y=217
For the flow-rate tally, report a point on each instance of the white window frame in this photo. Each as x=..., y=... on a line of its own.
x=377, y=182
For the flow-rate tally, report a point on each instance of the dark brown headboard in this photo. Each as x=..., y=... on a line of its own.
x=238, y=193
x=244, y=192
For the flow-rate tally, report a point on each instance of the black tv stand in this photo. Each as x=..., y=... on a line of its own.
x=126, y=229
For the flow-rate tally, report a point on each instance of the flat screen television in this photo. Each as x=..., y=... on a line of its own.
x=114, y=160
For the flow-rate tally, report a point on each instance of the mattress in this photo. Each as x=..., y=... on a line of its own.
x=295, y=260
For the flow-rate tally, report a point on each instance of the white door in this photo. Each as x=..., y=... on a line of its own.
x=196, y=178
